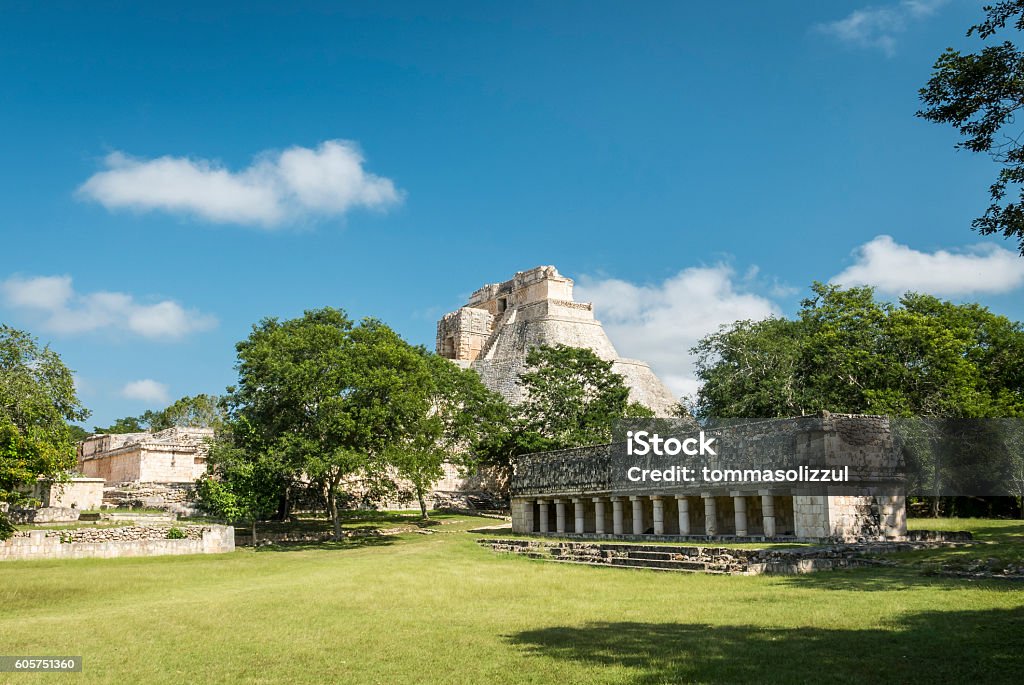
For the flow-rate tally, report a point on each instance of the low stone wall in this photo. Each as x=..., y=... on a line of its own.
x=174, y=497
x=716, y=560
x=129, y=541
x=44, y=515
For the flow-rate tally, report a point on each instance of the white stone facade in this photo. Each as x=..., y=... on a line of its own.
x=175, y=455
x=495, y=330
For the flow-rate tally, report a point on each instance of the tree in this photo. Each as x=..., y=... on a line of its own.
x=847, y=352
x=126, y=424
x=325, y=398
x=37, y=399
x=200, y=411
x=197, y=411
x=750, y=369
x=980, y=94
x=239, y=487
x=458, y=414
x=573, y=397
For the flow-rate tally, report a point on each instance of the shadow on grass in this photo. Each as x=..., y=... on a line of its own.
x=893, y=579
x=935, y=647
x=329, y=545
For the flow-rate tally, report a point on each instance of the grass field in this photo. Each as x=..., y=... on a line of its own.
x=439, y=608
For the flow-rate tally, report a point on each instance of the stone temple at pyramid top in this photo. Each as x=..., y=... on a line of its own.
x=493, y=332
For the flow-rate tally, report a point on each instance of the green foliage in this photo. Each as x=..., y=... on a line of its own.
x=201, y=411
x=325, y=398
x=847, y=352
x=458, y=415
x=126, y=424
x=175, y=533
x=572, y=397
x=980, y=94
x=37, y=399
x=239, y=486
x=76, y=433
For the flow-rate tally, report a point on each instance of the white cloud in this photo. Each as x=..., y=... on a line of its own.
x=62, y=310
x=659, y=323
x=146, y=390
x=894, y=269
x=276, y=188
x=876, y=27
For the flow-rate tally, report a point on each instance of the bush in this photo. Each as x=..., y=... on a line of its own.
x=175, y=533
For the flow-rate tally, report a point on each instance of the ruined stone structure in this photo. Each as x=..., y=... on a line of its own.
x=501, y=322
x=580, y=492
x=108, y=543
x=75, y=493
x=175, y=455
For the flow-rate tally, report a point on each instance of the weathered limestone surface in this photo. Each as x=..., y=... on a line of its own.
x=44, y=514
x=873, y=509
x=175, y=455
x=495, y=330
x=174, y=497
x=717, y=560
x=75, y=493
x=130, y=541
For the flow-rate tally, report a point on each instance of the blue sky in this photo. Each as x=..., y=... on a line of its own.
x=173, y=175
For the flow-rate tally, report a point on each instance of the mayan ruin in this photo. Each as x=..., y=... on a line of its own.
x=492, y=333
x=602, y=343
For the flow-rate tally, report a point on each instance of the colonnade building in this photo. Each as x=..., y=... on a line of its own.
x=583, y=492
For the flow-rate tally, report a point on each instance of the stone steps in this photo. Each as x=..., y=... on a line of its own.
x=667, y=564
x=712, y=560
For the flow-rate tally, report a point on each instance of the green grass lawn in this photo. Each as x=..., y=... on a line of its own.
x=1002, y=544
x=439, y=608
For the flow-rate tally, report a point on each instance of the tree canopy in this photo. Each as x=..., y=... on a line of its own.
x=573, y=396
x=202, y=411
x=325, y=398
x=460, y=415
x=37, y=400
x=848, y=352
x=980, y=94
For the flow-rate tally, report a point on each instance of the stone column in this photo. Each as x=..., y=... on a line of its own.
x=684, y=514
x=599, y=515
x=559, y=515
x=544, y=518
x=528, y=516
x=617, y=515
x=638, y=514
x=710, y=526
x=768, y=509
x=739, y=505
x=580, y=516
x=659, y=514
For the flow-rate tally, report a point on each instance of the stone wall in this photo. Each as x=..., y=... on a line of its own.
x=76, y=493
x=175, y=497
x=827, y=440
x=130, y=541
x=44, y=515
x=870, y=506
x=174, y=455
x=577, y=471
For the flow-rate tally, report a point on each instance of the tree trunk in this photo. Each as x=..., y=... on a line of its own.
x=284, y=506
x=332, y=503
x=423, y=503
x=254, y=532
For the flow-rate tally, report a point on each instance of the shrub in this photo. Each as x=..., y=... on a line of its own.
x=175, y=533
